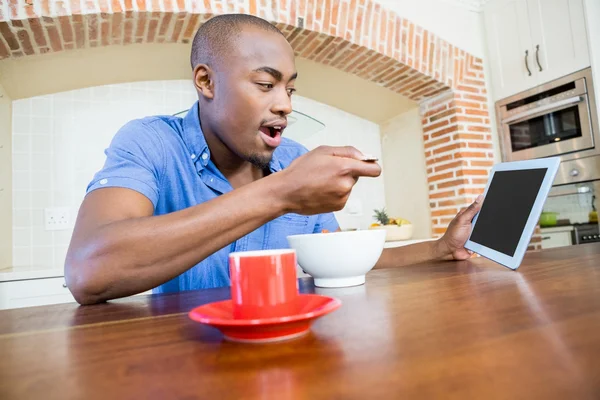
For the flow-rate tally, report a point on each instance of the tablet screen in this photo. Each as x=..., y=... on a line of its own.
x=508, y=203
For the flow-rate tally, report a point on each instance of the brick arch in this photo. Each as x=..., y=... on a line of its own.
x=356, y=36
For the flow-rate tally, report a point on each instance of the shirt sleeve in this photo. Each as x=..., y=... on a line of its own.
x=134, y=160
x=326, y=221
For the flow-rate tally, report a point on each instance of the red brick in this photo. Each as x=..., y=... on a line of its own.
x=468, y=104
x=190, y=29
x=470, y=154
x=474, y=97
x=116, y=28
x=54, y=37
x=437, y=142
x=440, y=177
x=468, y=136
x=480, y=145
x=448, y=203
x=471, y=119
x=475, y=192
x=447, y=148
x=25, y=42
x=128, y=32
x=152, y=30
x=471, y=172
x=411, y=38
x=484, y=129
x=442, y=115
x=444, y=131
x=104, y=33
x=479, y=181
x=343, y=23
x=436, y=110
x=309, y=21
x=482, y=113
x=7, y=34
x=65, y=27
x=441, y=195
x=450, y=165
x=164, y=25
x=447, y=211
x=4, y=53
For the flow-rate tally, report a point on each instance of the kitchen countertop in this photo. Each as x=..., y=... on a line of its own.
x=30, y=272
x=468, y=329
x=49, y=271
x=564, y=228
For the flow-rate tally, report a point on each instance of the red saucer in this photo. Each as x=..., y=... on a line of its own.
x=220, y=316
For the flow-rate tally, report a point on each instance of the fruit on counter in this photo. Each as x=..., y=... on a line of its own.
x=382, y=218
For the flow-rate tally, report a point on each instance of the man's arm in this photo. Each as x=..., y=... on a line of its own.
x=449, y=246
x=119, y=249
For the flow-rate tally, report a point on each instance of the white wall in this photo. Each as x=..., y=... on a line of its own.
x=5, y=180
x=343, y=129
x=59, y=142
x=457, y=25
x=406, y=191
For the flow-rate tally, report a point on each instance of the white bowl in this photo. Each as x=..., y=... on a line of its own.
x=338, y=259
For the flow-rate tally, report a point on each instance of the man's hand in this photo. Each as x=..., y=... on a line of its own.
x=453, y=241
x=321, y=180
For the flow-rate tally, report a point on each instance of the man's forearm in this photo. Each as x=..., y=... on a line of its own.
x=136, y=254
x=412, y=254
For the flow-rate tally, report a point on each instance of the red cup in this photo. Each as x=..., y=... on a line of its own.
x=263, y=283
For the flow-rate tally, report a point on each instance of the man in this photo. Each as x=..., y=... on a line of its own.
x=176, y=196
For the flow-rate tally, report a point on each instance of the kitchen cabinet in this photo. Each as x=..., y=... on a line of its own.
x=532, y=42
x=36, y=292
x=556, y=239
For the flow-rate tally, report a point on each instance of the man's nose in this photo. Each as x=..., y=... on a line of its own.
x=282, y=104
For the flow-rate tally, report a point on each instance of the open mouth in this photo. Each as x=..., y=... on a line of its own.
x=271, y=135
x=272, y=131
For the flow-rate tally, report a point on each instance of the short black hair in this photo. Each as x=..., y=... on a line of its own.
x=213, y=38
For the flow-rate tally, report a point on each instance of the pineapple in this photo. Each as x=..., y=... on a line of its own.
x=381, y=216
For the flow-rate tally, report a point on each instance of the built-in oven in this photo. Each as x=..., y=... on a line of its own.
x=575, y=199
x=556, y=119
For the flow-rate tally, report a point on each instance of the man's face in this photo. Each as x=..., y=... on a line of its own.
x=252, y=95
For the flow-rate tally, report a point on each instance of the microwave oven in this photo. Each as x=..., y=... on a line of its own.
x=558, y=118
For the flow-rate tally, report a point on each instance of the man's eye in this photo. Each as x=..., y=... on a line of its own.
x=291, y=91
x=266, y=85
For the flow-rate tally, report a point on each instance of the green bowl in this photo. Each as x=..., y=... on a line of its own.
x=548, y=218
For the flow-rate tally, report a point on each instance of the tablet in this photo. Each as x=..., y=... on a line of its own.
x=513, y=201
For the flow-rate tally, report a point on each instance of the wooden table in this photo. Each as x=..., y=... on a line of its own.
x=464, y=330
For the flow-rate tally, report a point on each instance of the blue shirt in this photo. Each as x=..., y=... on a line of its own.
x=166, y=159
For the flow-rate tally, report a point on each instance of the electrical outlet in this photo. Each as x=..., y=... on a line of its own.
x=57, y=219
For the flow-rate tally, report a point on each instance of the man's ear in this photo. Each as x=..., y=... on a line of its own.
x=203, y=80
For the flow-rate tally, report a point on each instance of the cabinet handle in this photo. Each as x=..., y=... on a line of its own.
x=526, y=65
x=546, y=238
x=537, y=56
x=64, y=285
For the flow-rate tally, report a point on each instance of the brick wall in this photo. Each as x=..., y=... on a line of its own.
x=356, y=36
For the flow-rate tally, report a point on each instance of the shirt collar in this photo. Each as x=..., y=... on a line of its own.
x=197, y=146
x=194, y=138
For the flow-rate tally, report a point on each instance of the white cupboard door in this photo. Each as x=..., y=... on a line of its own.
x=556, y=239
x=509, y=44
x=558, y=33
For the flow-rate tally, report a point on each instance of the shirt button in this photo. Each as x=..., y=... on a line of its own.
x=193, y=156
x=103, y=181
x=204, y=156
